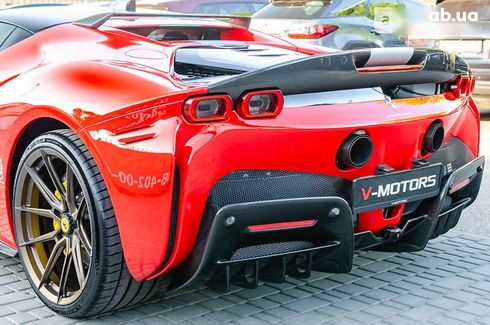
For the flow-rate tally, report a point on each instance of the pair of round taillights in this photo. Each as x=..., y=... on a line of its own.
x=213, y=108
x=357, y=148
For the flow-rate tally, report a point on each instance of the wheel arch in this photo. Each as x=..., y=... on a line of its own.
x=31, y=131
x=105, y=152
x=21, y=140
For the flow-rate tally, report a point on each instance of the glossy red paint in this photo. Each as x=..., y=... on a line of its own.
x=92, y=81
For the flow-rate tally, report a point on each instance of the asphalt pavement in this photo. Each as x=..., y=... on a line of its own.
x=476, y=218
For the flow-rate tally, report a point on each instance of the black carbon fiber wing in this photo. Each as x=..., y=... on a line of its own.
x=345, y=70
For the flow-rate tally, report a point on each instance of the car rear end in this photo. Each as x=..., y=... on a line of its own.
x=365, y=149
x=315, y=22
x=462, y=27
x=279, y=162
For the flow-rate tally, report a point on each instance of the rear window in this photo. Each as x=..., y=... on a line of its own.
x=463, y=8
x=294, y=9
x=17, y=35
x=185, y=33
x=5, y=31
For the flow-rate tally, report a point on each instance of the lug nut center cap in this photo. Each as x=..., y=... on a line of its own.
x=68, y=224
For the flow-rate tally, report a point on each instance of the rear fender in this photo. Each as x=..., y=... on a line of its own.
x=136, y=153
x=14, y=120
x=128, y=120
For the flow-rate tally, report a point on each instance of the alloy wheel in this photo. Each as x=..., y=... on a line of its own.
x=53, y=225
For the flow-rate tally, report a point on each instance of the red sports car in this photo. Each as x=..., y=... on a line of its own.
x=140, y=151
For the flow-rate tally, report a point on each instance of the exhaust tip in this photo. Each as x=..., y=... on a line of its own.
x=355, y=151
x=433, y=138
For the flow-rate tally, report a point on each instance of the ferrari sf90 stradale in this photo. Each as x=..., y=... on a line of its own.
x=146, y=151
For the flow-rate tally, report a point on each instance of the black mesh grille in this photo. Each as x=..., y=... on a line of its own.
x=197, y=71
x=271, y=249
x=254, y=185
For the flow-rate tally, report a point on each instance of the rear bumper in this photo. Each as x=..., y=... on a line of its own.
x=231, y=242
x=233, y=251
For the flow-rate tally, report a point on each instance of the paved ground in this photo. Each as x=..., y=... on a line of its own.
x=475, y=219
x=448, y=283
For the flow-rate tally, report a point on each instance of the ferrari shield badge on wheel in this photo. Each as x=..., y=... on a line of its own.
x=144, y=152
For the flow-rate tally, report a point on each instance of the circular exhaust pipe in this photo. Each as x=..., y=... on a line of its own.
x=433, y=138
x=355, y=151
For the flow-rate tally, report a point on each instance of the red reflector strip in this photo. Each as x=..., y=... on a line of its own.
x=459, y=186
x=282, y=225
x=391, y=68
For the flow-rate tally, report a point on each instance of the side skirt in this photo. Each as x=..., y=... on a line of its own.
x=6, y=250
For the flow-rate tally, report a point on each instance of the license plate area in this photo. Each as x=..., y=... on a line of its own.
x=382, y=191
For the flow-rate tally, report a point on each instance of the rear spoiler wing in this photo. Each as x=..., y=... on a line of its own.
x=356, y=69
x=97, y=20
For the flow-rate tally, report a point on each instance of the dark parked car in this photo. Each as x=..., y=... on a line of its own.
x=462, y=27
x=340, y=24
x=221, y=7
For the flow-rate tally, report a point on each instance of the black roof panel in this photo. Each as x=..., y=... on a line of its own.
x=37, y=18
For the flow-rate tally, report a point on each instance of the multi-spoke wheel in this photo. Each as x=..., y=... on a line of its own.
x=67, y=238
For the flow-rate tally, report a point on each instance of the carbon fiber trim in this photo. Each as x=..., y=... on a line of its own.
x=453, y=155
x=437, y=67
x=173, y=215
x=255, y=185
x=256, y=251
x=229, y=235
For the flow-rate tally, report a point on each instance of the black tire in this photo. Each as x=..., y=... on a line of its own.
x=108, y=285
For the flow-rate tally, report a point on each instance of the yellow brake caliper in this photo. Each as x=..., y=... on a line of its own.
x=56, y=224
